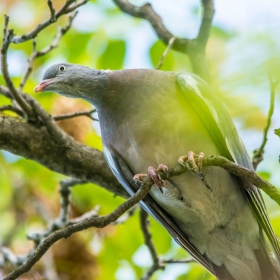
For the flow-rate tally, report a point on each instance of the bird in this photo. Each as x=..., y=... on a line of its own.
x=150, y=119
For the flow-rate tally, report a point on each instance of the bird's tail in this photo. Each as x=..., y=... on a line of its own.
x=261, y=267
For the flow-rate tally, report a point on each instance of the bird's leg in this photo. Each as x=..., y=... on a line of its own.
x=189, y=162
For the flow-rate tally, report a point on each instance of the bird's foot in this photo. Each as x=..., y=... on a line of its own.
x=189, y=161
x=138, y=178
x=155, y=176
x=154, y=173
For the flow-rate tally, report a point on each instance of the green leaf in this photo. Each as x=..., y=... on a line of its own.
x=277, y=132
x=113, y=55
x=265, y=175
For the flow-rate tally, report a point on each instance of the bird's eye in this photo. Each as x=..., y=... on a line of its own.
x=62, y=68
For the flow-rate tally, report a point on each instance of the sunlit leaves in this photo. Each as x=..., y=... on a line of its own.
x=113, y=56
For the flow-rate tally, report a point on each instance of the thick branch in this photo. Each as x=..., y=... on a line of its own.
x=198, y=45
x=195, y=48
x=206, y=23
x=67, y=157
x=147, y=12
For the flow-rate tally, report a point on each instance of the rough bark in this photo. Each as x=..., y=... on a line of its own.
x=68, y=157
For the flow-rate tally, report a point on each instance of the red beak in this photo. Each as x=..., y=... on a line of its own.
x=42, y=85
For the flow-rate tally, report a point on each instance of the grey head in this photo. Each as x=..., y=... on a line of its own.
x=71, y=80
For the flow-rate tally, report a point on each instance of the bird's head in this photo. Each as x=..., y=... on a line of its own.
x=71, y=80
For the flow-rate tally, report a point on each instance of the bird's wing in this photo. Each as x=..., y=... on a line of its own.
x=223, y=132
x=125, y=176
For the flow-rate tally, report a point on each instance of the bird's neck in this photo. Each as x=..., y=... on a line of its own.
x=129, y=95
x=120, y=100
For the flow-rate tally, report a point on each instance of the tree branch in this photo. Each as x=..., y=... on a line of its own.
x=198, y=45
x=169, y=46
x=77, y=114
x=52, y=11
x=12, y=109
x=63, y=218
x=147, y=12
x=65, y=9
x=5, y=91
x=98, y=222
x=126, y=216
x=245, y=173
x=75, y=6
x=148, y=241
x=66, y=157
x=258, y=153
x=4, y=68
x=206, y=23
x=195, y=48
x=35, y=54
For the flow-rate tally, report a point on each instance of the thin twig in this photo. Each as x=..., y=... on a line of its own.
x=169, y=46
x=126, y=216
x=10, y=257
x=12, y=109
x=183, y=261
x=148, y=241
x=98, y=222
x=75, y=6
x=6, y=23
x=87, y=215
x=77, y=114
x=29, y=66
x=147, y=235
x=35, y=54
x=65, y=193
x=245, y=173
x=258, y=153
x=52, y=11
x=32, y=34
x=63, y=218
x=4, y=68
x=60, y=33
x=49, y=266
x=150, y=272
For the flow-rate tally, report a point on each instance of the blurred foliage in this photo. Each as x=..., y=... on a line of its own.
x=101, y=38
